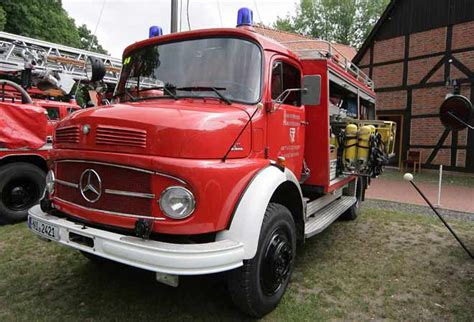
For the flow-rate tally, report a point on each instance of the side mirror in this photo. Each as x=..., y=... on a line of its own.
x=95, y=69
x=456, y=112
x=283, y=96
x=312, y=93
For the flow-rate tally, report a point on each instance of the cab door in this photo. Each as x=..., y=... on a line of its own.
x=286, y=120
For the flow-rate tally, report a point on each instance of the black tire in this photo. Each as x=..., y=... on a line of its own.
x=257, y=287
x=353, y=212
x=21, y=187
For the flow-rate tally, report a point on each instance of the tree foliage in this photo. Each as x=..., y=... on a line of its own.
x=3, y=18
x=345, y=21
x=46, y=20
x=89, y=41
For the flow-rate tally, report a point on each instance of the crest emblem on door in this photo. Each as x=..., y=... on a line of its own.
x=292, y=135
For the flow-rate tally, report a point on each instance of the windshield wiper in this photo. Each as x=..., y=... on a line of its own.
x=126, y=92
x=207, y=88
x=166, y=89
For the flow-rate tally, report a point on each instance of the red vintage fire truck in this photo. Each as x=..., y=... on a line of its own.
x=223, y=151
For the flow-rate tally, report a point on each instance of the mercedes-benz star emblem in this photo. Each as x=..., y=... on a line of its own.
x=90, y=185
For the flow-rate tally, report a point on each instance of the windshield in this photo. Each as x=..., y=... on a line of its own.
x=224, y=68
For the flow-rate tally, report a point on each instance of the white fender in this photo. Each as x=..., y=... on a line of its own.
x=248, y=217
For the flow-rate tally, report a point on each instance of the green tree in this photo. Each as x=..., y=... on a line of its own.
x=46, y=20
x=89, y=41
x=344, y=21
x=3, y=18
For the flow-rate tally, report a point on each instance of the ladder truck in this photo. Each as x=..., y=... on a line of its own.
x=31, y=72
x=223, y=151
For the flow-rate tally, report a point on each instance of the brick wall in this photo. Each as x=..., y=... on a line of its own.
x=461, y=158
x=467, y=59
x=424, y=130
x=427, y=100
x=388, y=50
x=462, y=135
x=427, y=131
x=463, y=35
x=443, y=157
x=419, y=68
x=392, y=100
x=428, y=42
x=388, y=75
x=365, y=59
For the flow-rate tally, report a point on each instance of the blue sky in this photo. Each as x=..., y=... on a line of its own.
x=126, y=21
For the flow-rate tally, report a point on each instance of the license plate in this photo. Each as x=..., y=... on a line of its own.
x=43, y=229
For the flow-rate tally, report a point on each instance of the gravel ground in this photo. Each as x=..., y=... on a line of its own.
x=415, y=209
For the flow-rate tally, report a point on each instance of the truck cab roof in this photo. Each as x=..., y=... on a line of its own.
x=333, y=59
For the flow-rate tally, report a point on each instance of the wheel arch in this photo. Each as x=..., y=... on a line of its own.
x=269, y=185
x=33, y=159
x=288, y=195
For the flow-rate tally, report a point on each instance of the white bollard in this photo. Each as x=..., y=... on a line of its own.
x=439, y=185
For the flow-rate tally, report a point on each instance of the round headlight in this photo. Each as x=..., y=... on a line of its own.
x=177, y=202
x=50, y=182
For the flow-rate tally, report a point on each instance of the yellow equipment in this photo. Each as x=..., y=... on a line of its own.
x=333, y=145
x=363, y=146
x=388, y=132
x=350, y=146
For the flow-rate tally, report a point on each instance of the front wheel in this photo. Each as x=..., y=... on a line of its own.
x=21, y=186
x=258, y=286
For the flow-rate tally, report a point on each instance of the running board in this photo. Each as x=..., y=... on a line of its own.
x=318, y=204
x=327, y=215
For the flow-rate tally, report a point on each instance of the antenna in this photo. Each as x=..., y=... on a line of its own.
x=90, y=44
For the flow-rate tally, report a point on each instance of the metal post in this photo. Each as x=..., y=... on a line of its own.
x=409, y=177
x=174, y=16
x=439, y=185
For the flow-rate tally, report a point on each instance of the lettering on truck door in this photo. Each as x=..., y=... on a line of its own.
x=285, y=126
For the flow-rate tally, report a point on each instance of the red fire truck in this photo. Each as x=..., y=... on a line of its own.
x=222, y=152
x=29, y=113
x=27, y=126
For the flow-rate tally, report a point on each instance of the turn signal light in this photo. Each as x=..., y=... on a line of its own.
x=281, y=161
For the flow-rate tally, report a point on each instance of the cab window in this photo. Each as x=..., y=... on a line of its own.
x=285, y=76
x=53, y=113
x=71, y=110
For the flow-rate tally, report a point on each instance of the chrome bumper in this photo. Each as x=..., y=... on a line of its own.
x=177, y=259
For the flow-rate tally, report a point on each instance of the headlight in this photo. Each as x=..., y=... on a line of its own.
x=177, y=202
x=50, y=182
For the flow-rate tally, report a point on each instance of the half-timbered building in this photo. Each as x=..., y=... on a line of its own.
x=414, y=53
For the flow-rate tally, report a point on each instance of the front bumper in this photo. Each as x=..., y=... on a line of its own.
x=177, y=259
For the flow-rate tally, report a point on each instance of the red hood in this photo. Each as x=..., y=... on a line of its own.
x=173, y=129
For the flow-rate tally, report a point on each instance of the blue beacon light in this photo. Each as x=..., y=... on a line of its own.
x=244, y=17
x=155, y=31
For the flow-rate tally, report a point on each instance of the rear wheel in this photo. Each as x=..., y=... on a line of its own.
x=353, y=212
x=21, y=187
x=258, y=286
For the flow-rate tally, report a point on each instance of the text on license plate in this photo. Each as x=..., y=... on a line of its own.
x=42, y=228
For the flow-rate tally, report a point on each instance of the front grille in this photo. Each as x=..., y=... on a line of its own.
x=113, y=178
x=68, y=134
x=112, y=135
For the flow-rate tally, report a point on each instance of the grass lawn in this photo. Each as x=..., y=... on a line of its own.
x=457, y=179
x=383, y=266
